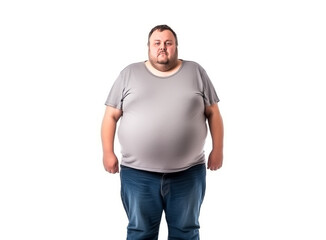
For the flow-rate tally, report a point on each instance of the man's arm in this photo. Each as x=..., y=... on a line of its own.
x=110, y=119
x=216, y=128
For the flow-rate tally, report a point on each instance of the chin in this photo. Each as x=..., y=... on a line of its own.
x=163, y=61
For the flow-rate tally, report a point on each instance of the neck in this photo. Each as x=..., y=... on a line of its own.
x=165, y=67
x=163, y=70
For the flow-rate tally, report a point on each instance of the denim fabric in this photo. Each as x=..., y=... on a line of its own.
x=145, y=195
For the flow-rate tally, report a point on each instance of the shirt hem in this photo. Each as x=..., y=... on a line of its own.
x=162, y=170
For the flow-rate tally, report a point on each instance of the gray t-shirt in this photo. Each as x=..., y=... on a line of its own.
x=163, y=126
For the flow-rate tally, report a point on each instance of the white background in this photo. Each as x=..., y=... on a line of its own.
x=58, y=60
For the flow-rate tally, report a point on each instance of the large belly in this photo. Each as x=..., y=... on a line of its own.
x=167, y=138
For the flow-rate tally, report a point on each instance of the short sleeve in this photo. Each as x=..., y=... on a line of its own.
x=209, y=93
x=116, y=94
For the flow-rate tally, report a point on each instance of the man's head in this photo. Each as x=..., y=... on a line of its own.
x=162, y=28
x=163, y=48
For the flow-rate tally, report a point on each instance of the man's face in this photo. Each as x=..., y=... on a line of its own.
x=162, y=49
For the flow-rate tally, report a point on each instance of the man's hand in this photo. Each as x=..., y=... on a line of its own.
x=215, y=160
x=111, y=163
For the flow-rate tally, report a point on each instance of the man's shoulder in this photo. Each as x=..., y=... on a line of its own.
x=133, y=69
x=133, y=66
x=192, y=64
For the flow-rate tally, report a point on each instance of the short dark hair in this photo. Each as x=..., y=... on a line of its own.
x=162, y=28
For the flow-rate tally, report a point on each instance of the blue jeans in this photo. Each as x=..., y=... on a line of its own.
x=145, y=195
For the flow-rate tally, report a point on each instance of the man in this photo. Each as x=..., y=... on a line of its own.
x=163, y=104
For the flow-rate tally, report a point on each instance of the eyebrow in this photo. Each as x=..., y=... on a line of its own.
x=157, y=40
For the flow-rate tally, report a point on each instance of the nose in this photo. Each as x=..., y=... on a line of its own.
x=162, y=47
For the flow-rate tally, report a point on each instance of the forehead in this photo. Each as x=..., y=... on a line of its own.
x=162, y=36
